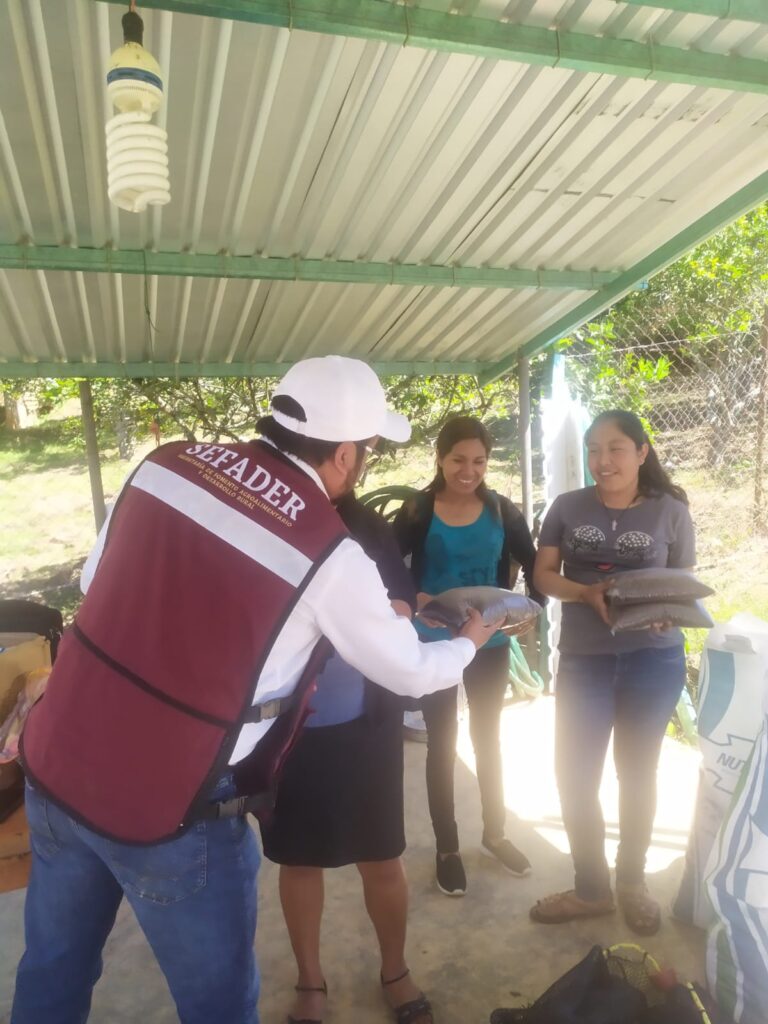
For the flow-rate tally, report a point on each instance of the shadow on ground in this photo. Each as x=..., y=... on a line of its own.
x=55, y=585
x=54, y=445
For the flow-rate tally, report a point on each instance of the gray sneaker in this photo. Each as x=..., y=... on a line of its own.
x=510, y=858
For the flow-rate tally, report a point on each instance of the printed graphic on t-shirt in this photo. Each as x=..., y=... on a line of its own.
x=636, y=544
x=589, y=545
x=586, y=538
x=472, y=566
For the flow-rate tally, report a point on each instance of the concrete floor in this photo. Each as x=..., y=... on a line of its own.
x=470, y=955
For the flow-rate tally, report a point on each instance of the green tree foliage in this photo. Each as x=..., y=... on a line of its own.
x=711, y=303
x=613, y=377
x=228, y=408
x=718, y=288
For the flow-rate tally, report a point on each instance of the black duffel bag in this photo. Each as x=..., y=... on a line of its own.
x=620, y=985
x=30, y=617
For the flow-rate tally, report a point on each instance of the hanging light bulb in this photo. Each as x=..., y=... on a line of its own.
x=137, y=151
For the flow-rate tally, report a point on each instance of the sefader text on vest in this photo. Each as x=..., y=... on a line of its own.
x=250, y=475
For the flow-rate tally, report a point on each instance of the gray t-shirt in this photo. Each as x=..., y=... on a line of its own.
x=657, y=532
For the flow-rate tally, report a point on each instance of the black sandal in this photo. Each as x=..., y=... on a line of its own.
x=408, y=1012
x=307, y=988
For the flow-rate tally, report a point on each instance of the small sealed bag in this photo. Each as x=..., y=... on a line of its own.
x=451, y=608
x=25, y=661
x=20, y=655
x=692, y=615
x=35, y=683
x=640, y=586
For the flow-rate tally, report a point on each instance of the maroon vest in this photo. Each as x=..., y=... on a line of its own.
x=209, y=549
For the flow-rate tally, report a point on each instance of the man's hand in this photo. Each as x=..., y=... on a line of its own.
x=476, y=630
x=594, y=596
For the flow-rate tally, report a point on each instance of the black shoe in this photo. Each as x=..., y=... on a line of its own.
x=450, y=875
x=513, y=861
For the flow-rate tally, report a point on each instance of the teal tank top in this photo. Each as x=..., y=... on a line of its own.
x=461, y=556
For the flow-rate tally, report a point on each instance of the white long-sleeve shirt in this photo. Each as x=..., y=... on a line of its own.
x=346, y=601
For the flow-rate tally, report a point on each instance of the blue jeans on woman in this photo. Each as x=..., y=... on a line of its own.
x=634, y=694
x=194, y=897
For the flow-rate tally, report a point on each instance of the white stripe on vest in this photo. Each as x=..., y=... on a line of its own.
x=226, y=523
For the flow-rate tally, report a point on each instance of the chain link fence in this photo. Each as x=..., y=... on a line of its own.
x=703, y=397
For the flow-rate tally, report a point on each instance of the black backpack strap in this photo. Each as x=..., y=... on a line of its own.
x=257, y=775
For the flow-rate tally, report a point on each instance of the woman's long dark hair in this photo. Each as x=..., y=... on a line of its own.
x=453, y=431
x=653, y=478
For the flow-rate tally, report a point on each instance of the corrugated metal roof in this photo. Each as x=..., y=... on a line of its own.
x=298, y=144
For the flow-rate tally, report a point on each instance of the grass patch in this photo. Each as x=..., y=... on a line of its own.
x=46, y=510
x=732, y=558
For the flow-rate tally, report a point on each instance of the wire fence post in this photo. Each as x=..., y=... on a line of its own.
x=524, y=435
x=92, y=450
x=761, y=520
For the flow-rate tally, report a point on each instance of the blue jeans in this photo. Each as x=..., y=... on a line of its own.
x=633, y=694
x=194, y=898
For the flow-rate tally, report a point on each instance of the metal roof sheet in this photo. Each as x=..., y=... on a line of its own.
x=295, y=144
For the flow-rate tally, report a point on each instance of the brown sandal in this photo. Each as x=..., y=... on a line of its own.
x=415, y=1009
x=307, y=988
x=567, y=906
x=641, y=911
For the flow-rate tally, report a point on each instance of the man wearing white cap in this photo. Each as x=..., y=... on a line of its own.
x=212, y=595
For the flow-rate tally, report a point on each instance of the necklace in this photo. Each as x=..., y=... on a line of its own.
x=615, y=519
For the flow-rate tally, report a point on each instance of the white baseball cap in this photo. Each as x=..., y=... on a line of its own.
x=342, y=400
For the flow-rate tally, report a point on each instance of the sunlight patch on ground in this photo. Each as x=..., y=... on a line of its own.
x=530, y=790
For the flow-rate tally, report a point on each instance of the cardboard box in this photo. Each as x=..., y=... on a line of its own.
x=15, y=858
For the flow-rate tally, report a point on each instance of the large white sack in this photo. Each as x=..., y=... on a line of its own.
x=737, y=885
x=732, y=687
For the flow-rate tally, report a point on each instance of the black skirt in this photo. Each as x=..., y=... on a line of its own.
x=340, y=797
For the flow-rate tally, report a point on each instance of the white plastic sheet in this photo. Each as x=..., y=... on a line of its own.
x=564, y=421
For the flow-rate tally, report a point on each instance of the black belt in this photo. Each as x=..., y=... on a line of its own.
x=236, y=807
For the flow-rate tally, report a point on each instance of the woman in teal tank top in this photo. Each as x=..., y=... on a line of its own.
x=459, y=533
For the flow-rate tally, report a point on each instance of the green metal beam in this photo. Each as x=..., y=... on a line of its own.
x=742, y=202
x=733, y=10
x=176, y=370
x=406, y=25
x=187, y=264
